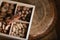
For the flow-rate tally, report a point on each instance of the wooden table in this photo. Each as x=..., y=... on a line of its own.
x=44, y=18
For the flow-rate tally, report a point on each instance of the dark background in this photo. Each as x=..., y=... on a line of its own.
x=57, y=4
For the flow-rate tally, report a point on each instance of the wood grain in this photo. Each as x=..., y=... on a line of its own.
x=44, y=17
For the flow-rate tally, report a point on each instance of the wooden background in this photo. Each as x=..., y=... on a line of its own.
x=46, y=13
